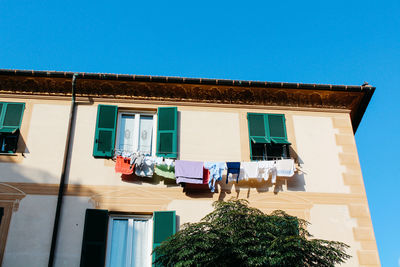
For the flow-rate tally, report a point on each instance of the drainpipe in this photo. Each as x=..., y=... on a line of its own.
x=61, y=188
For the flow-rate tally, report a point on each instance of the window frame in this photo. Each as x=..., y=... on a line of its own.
x=137, y=114
x=12, y=134
x=112, y=217
x=285, y=147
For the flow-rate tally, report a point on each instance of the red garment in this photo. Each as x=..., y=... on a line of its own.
x=206, y=175
x=204, y=186
x=123, y=165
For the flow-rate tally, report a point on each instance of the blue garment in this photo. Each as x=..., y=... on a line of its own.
x=216, y=169
x=233, y=168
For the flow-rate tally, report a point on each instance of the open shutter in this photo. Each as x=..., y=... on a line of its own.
x=11, y=116
x=258, y=133
x=167, y=132
x=277, y=128
x=94, y=238
x=106, y=125
x=164, y=225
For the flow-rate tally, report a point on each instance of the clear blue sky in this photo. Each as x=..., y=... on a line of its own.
x=339, y=42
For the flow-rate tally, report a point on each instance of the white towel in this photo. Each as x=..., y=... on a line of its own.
x=248, y=170
x=265, y=168
x=285, y=167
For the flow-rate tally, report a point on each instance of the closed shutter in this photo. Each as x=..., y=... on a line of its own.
x=277, y=129
x=106, y=125
x=164, y=226
x=94, y=238
x=167, y=127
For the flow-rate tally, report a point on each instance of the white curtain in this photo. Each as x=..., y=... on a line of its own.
x=130, y=243
x=126, y=133
x=145, y=133
x=140, y=243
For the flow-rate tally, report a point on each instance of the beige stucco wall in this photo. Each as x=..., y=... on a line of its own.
x=45, y=143
x=69, y=245
x=333, y=222
x=29, y=236
x=327, y=190
x=209, y=135
x=318, y=154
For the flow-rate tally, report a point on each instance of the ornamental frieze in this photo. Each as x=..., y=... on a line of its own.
x=181, y=92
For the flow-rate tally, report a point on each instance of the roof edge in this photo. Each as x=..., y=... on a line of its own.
x=185, y=80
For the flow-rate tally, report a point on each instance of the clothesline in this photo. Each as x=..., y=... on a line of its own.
x=146, y=154
x=203, y=172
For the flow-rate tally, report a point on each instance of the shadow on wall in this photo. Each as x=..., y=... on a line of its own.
x=31, y=223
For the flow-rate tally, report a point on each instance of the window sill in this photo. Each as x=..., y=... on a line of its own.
x=8, y=154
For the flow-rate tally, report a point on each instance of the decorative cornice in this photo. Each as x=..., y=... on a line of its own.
x=354, y=98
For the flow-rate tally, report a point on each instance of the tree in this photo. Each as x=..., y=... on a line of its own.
x=235, y=234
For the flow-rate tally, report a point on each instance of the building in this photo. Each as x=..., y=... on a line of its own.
x=201, y=120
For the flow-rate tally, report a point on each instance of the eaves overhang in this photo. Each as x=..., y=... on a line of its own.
x=238, y=92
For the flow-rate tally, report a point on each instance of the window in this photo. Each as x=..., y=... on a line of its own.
x=129, y=241
x=124, y=240
x=10, y=122
x=267, y=136
x=1, y=214
x=135, y=131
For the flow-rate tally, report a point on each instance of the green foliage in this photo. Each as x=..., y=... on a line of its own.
x=235, y=234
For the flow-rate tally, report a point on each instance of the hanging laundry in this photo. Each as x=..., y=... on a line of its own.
x=267, y=168
x=203, y=186
x=123, y=165
x=233, y=171
x=164, y=168
x=285, y=167
x=144, y=166
x=189, y=172
x=206, y=176
x=248, y=170
x=216, y=169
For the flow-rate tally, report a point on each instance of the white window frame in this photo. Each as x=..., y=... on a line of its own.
x=130, y=219
x=137, y=114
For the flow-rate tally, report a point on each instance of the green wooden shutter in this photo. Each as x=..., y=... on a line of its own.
x=1, y=113
x=164, y=225
x=11, y=116
x=277, y=128
x=167, y=137
x=94, y=238
x=106, y=125
x=258, y=132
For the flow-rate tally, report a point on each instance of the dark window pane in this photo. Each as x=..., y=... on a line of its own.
x=166, y=118
x=256, y=125
x=13, y=114
x=277, y=151
x=9, y=142
x=107, y=116
x=276, y=125
x=1, y=213
x=166, y=143
x=257, y=151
